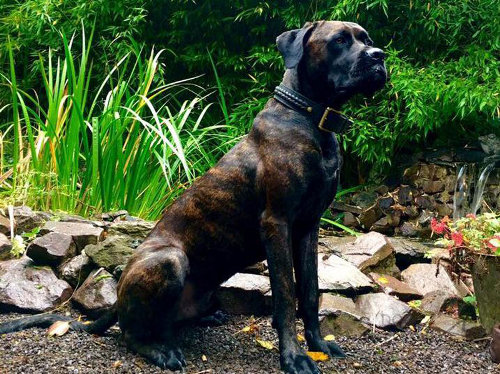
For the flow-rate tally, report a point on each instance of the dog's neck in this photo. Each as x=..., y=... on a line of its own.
x=293, y=79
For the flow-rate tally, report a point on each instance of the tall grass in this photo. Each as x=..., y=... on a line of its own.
x=131, y=143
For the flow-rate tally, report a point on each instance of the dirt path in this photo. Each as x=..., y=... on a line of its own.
x=223, y=350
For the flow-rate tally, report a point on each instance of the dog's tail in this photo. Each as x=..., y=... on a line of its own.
x=98, y=327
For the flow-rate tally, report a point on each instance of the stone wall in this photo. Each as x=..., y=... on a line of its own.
x=426, y=191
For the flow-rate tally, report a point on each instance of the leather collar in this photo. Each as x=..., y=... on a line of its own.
x=328, y=119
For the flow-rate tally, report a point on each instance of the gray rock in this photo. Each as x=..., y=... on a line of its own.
x=383, y=226
x=5, y=247
x=432, y=187
x=409, y=251
x=24, y=287
x=368, y=250
x=246, y=294
x=339, y=316
x=386, y=312
x=490, y=144
x=343, y=207
x=51, y=249
x=115, y=250
x=26, y=219
x=468, y=330
x=350, y=220
x=395, y=287
x=365, y=199
x=111, y=216
x=405, y=195
x=259, y=268
x=425, y=278
x=96, y=294
x=408, y=229
x=82, y=233
x=335, y=244
x=337, y=274
x=135, y=229
x=76, y=270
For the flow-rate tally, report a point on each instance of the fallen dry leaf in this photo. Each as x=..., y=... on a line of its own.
x=412, y=328
x=329, y=338
x=357, y=365
x=203, y=358
x=301, y=338
x=318, y=356
x=265, y=344
x=58, y=328
x=383, y=280
x=117, y=364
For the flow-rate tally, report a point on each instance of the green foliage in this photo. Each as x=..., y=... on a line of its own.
x=128, y=144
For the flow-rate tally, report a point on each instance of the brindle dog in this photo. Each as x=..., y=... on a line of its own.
x=264, y=199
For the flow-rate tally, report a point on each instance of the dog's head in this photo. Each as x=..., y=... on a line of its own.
x=337, y=59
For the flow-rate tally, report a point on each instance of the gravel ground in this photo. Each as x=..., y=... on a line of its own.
x=224, y=349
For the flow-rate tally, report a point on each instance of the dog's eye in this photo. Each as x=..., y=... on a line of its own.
x=340, y=40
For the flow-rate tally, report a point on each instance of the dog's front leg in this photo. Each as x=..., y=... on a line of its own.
x=276, y=238
x=305, y=249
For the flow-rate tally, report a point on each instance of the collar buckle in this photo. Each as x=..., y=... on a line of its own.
x=324, y=118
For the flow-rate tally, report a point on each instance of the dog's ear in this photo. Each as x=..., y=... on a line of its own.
x=291, y=44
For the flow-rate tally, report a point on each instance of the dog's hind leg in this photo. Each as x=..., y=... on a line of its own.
x=148, y=295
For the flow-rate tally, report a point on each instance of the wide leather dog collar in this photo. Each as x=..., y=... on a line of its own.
x=328, y=119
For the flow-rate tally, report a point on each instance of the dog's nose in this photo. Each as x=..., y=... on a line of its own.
x=376, y=54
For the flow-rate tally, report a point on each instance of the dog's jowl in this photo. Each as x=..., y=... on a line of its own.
x=264, y=199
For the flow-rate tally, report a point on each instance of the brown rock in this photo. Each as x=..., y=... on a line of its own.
x=394, y=217
x=76, y=270
x=5, y=225
x=405, y=195
x=51, y=249
x=339, y=316
x=424, y=202
x=466, y=329
x=369, y=216
x=365, y=199
x=24, y=287
x=395, y=287
x=444, y=210
x=382, y=189
x=5, y=247
x=96, y=294
x=495, y=344
x=408, y=229
x=385, y=203
x=382, y=226
x=350, y=220
x=411, y=211
x=26, y=219
x=432, y=187
x=450, y=183
x=342, y=207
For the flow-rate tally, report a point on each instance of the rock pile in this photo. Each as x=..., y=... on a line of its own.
x=364, y=281
x=427, y=192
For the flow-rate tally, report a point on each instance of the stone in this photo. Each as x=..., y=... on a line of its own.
x=450, y=183
x=408, y=229
x=383, y=226
x=386, y=312
x=339, y=316
x=490, y=144
x=111, y=216
x=96, y=294
x=368, y=250
x=432, y=187
x=433, y=302
x=5, y=225
x=411, y=211
x=394, y=217
x=385, y=203
x=468, y=330
x=405, y=195
x=350, y=220
x=5, y=247
x=343, y=207
x=28, y=288
x=335, y=244
x=76, y=270
x=113, y=251
x=248, y=294
x=444, y=210
x=136, y=229
x=495, y=344
x=369, y=216
x=408, y=252
x=425, y=278
x=337, y=274
x=82, y=233
x=395, y=287
x=440, y=172
x=26, y=219
x=51, y=249
x=365, y=199
x=425, y=202
x=382, y=189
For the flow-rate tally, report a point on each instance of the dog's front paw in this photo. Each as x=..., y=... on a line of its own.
x=298, y=363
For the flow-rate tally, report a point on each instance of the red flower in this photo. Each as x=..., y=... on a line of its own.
x=438, y=227
x=457, y=238
x=471, y=216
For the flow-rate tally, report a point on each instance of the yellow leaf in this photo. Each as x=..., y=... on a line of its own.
x=117, y=364
x=383, y=280
x=246, y=329
x=301, y=338
x=58, y=328
x=263, y=343
x=318, y=356
x=329, y=338
x=203, y=358
x=425, y=320
x=412, y=328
